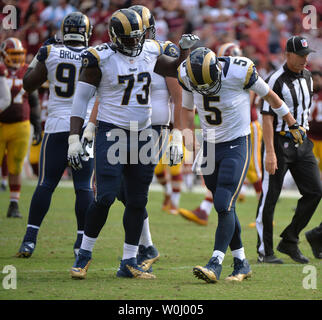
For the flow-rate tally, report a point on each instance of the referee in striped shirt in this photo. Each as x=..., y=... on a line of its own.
x=293, y=84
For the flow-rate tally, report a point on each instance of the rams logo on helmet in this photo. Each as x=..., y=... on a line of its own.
x=147, y=19
x=127, y=32
x=204, y=71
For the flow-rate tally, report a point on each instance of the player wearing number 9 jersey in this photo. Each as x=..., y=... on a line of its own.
x=15, y=118
x=60, y=64
x=219, y=87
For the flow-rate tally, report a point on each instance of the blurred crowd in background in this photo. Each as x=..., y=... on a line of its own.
x=260, y=27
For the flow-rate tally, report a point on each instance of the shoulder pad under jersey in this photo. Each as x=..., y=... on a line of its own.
x=94, y=56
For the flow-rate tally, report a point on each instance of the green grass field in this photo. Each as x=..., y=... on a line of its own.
x=182, y=245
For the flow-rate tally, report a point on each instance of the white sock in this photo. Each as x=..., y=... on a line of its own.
x=129, y=251
x=175, y=198
x=88, y=243
x=239, y=253
x=145, y=238
x=220, y=255
x=168, y=188
x=206, y=206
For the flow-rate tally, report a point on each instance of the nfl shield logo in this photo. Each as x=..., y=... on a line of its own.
x=304, y=43
x=286, y=145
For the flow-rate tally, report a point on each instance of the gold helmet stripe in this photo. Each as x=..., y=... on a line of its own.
x=206, y=76
x=146, y=16
x=190, y=73
x=87, y=23
x=224, y=48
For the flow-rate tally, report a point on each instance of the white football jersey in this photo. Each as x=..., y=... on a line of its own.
x=225, y=116
x=124, y=90
x=63, y=65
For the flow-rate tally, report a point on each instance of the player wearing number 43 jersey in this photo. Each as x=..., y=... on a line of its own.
x=219, y=88
x=121, y=72
x=60, y=64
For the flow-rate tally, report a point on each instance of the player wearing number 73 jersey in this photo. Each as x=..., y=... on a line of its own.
x=219, y=88
x=60, y=64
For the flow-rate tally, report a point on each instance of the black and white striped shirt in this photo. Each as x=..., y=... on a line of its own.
x=296, y=89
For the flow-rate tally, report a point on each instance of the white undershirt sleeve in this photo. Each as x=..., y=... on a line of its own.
x=84, y=92
x=260, y=87
x=5, y=94
x=187, y=100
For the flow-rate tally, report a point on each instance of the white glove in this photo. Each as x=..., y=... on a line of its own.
x=75, y=152
x=187, y=41
x=175, y=150
x=88, y=138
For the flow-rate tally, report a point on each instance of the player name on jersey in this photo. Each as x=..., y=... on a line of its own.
x=67, y=54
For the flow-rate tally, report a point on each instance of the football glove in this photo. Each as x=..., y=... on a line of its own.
x=298, y=133
x=75, y=152
x=175, y=149
x=187, y=41
x=37, y=136
x=88, y=138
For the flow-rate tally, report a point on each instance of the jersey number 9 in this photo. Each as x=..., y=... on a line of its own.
x=65, y=74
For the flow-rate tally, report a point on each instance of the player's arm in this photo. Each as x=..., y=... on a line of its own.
x=176, y=96
x=5, y=94
x=35, y=116
x=268, y=136
x=89, y=80
x=36, y=73
x=167, y=66
x=279, y=107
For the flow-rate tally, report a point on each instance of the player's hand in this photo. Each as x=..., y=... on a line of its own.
x=88, y=137
x=187, y=41
x=271, y=162
x=75, y=152
x=52, y=40
x=175, y=148
x=298, y=133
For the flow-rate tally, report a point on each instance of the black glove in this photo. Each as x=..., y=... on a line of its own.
x=52, y=40
x=37, y=136
x=298, y=133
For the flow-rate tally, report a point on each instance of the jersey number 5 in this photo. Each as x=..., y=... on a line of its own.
x=215, y=118
x=141, y=98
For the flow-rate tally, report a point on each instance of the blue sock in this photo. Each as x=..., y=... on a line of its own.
x=31, y=235
x=78, y=241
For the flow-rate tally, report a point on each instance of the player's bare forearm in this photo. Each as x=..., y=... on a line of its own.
x=275, y=102
x=35, y=77
x=268, y=133
x=167, y=66
x=76, y=125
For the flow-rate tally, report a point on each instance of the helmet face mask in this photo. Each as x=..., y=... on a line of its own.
x=76, y=27
x=204, y=71
x=13, y=53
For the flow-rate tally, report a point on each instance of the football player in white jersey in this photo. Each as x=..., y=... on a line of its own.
x=60, y=64
x=219, y=88
x=122, y=74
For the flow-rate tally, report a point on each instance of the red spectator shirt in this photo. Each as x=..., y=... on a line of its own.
x=315, y=121
x=19, y=109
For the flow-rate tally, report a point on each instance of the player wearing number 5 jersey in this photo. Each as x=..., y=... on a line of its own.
x=60, y=64
x=122, y=73
x=219, y=88
x=15, y=117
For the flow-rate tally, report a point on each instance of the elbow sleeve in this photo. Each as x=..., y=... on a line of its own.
x=84, y=92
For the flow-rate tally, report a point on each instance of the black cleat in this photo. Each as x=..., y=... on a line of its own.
x=292, y=250
x=315, y=243
x=269, y=259
x=13, y=210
